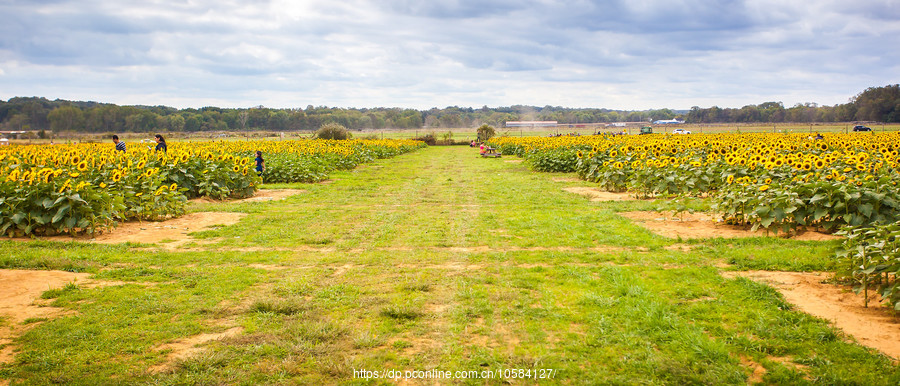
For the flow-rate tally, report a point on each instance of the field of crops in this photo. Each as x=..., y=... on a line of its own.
x=51, y=189
x=434, y=260
x=780, y=182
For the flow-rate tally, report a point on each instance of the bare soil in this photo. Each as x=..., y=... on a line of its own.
x=566, y=179
x=704, y=225
x=876, y=327
x=261, y=195
x=595, y=194
x=188, y=347
x=173, y=231
x=19, y=289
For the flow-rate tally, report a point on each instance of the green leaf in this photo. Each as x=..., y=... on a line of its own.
x=60, y=213
x=865, y=209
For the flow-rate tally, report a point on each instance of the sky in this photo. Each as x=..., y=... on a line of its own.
x=628, y=54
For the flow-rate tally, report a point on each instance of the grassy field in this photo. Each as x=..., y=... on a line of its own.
x=434, y=260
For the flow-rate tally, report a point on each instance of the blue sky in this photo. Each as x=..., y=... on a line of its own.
x=630, y=54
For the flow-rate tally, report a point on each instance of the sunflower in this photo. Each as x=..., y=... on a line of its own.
x=13, y=176
x=730, y=179
x=117, y=176
x=173, y=187
x=65, y=186
x=764, y=188
x=82, y=166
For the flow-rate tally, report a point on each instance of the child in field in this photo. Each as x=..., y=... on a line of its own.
x=260, y=163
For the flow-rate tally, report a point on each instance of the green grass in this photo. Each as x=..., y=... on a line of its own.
x=436, y=259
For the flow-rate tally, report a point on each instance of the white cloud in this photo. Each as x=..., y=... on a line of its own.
x=421, y=54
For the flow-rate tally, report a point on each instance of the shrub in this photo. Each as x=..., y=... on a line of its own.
x=333, y=131
x=429, y=139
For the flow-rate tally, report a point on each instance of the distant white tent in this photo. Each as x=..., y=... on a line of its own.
x=667, y=122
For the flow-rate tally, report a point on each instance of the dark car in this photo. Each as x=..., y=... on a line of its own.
x=861, y=128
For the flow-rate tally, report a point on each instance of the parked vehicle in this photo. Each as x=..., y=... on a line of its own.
x=680, y=131
x=861, y=128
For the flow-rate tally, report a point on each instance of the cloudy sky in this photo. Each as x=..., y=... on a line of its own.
x=628, y=54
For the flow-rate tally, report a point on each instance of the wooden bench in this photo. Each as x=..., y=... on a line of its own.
x=491, y=152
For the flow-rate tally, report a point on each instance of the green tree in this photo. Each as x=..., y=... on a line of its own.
x=66, y=118
x=879, y=104
x=485, y=132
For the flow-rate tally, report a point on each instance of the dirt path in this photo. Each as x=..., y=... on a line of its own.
x=174, y=232
x=703, y=225
x=260, y=196
x=875, y=327
x=19, y=290
x=595, y=194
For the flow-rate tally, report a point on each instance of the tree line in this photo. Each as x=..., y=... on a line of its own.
x=874, y=104
x=878, y=104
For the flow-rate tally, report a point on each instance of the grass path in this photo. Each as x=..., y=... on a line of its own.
x=435, y=260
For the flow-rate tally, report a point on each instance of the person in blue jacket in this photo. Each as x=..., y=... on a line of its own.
x=260, y=163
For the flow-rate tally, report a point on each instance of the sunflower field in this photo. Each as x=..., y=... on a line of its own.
x=779, y=182
x=85, y=188
x=312, y=161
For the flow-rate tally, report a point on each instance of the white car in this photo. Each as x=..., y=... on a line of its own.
x=680, y=131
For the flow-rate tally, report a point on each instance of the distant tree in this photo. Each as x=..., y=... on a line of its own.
x=192, y=123
x=66, y=118
x=485, y=132
x=243, y=116
x=879, y=104
x=175, y=122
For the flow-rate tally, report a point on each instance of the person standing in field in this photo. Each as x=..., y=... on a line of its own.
x=120, y=145
x=160, y=143
x=260, y=163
